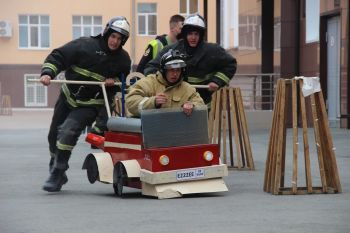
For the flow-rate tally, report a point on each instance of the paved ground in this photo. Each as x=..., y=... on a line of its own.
x=82, y=207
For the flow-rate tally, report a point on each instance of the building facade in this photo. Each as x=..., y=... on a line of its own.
x=284, y=37
x=292, y=38
x=31, y=29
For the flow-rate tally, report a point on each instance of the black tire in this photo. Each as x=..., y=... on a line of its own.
x=119, y=178
x=92, y=169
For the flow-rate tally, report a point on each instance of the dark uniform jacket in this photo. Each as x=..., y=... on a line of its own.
x=152, y=50
x=87, y=59
x=209, y=63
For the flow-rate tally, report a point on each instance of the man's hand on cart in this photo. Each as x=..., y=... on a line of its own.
x=187, y=108
x=109, y=82
x=213, y=86
x=45, y=79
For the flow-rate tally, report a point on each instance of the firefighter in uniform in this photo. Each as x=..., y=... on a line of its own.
x=99, y=58
x=165, y=89
x=156, y=45
x=207, y=63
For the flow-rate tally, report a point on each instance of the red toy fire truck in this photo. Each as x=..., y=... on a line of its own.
x=164, y=153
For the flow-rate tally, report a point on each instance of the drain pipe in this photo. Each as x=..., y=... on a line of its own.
x=133, y=32
x=297, y=40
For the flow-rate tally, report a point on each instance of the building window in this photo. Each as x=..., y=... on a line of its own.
x=84, y=25
x=250, y=32
x=35, y=94
x=34, y=31
x=188, y=7
x=147, y=19
x=277, y=36
x=312, y=17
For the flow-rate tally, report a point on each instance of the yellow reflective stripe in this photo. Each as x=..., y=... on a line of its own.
x=97, y=129
x=61, y=146
x=51, y=66
x=76, y=103
x=91, y=102
x=195, y=80
x=87, y=73
x=157, y=46
x=69, y=99
x=222, y=76
x=160, y=46
x=154, y=45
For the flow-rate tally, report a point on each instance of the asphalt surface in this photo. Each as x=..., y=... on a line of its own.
x=85, y=207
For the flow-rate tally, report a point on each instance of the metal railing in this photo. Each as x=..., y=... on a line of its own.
x=258, y=90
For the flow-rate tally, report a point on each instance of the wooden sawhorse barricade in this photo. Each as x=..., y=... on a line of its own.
x=5, y=105
x=276, y=157
x=227, y=118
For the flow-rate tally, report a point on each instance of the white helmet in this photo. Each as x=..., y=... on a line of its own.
x=194, y=20
x=118, y=24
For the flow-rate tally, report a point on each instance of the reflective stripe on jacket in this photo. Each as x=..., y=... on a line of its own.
x=87, y=59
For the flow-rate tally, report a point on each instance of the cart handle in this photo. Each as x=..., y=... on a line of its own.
x=102, y=84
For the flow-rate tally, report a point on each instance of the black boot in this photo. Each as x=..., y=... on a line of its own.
x=65, y=178
x=56, y=179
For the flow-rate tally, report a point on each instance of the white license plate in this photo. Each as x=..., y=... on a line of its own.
x=190, y=174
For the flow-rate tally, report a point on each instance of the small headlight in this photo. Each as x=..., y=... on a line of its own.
x=164, y=160
x=208, y=156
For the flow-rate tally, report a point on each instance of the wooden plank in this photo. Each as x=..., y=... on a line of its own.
x=318, y=141
x=232, y=117
x=235, y=128
x=303, y=191
x=240, y=130
x=324, y=144
x=295, y=136
x=305, y=140
x=284, y=128
x=280, y=140
x=217, y=117
x=211, y=117
x=224, y=120
x=330, y=141
x=277, y=135
x=244, y=125
x=270, y=152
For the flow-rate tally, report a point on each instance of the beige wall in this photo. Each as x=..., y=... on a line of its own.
x=61, y=12
x=248, y=57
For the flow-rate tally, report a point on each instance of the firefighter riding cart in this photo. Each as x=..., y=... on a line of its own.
x=164, y=153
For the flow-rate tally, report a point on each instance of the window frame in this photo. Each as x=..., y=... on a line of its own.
x=146, y=15
x=248, y=25
x=82, y=26
x=188, y=8
x=39, y=26
x=312, y=26
x=35, y=85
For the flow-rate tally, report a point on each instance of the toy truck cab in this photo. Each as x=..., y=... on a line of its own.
x=164, y=153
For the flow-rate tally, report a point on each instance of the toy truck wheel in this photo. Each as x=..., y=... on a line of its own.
x=119, y=178
x=92, y=169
